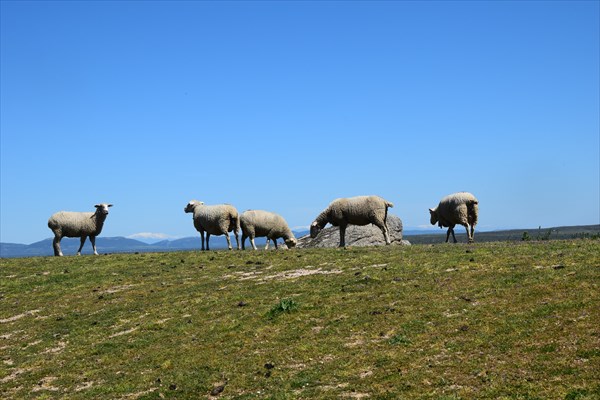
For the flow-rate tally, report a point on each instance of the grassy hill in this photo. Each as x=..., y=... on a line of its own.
x=554, y=233
x=490, y=320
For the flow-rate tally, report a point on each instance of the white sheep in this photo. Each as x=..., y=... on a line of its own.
x=456, y=209
x=360, y=210
x=258, y=223
x=215, y=220
x=78, y=224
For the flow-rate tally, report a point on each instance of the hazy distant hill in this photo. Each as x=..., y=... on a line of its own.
x=564, y=232
x=124, y=245
x=70, y=246
x=120, y=245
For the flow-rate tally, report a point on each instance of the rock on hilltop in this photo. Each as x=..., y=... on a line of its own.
x=368, y=235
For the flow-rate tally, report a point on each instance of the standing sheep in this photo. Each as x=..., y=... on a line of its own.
x=78, y=224
x=360, y=210
x=215, y=220
x=257, y=223
x=456, y=209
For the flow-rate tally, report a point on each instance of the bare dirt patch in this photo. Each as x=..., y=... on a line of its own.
x=19, y=316
x=117, y=289
x=282, y=276
x=128, y=331
x=297, y=273
x=34, y=343
x=365, y=374
x=14, y=375
x=244, y=276
x=356, y=341
x=84, y=386
x=139, y=394
x=59, y=347
x=354, y=395
x=46, y=384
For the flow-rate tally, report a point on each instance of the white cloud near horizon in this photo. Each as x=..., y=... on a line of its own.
x=423, y=227
x=301, y=228
x=151, y=236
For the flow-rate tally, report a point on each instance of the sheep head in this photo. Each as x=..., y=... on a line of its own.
x=314, y=229
x=291, y=242
x=433, y=216
x=102, y=208
x=191, y=205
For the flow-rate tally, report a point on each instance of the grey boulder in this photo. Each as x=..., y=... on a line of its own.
x=359, y=236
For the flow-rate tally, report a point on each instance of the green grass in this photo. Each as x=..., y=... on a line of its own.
x=494, y=320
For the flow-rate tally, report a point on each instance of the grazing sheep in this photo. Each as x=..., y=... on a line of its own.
x=456, y=209
x=360, y=210
x=257, y=223
x=78, y=224
x=215, y=220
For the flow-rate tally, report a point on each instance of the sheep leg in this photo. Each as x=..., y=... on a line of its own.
x=267, y=246
x=468, y=235
x=93, y=240
x=450, y=231
x=56, y=246
x=244, y=237
x=342, y=235
x=228, y=241
x=275, y=243
x=386, y=234
x=207, y=239
x=81, y=241
x=472, y=238
x=252, y=243
x=237, y=239
x=202, y=238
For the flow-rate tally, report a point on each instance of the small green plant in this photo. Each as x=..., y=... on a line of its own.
x=284, y=306
x=399, y=339
x=577, y=394
x=526, y=237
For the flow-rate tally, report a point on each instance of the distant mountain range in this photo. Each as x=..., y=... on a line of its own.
x=124, y=245
x=120, y=244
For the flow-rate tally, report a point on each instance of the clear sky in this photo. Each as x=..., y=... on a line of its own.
x=285, y=106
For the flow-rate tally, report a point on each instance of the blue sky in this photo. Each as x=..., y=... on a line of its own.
x=285, y=106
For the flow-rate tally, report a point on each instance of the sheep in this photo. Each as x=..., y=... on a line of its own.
x=78, y=224
x=258, y=223
x=457, y=208
x=360, y=210
x=215, y=220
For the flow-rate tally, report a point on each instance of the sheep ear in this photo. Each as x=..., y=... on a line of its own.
x=430, y=211
x=97, y=205
x=109, y=205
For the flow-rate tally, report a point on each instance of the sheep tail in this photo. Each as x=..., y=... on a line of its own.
x=387, y=205
x=472, y=211
x=234, y=223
